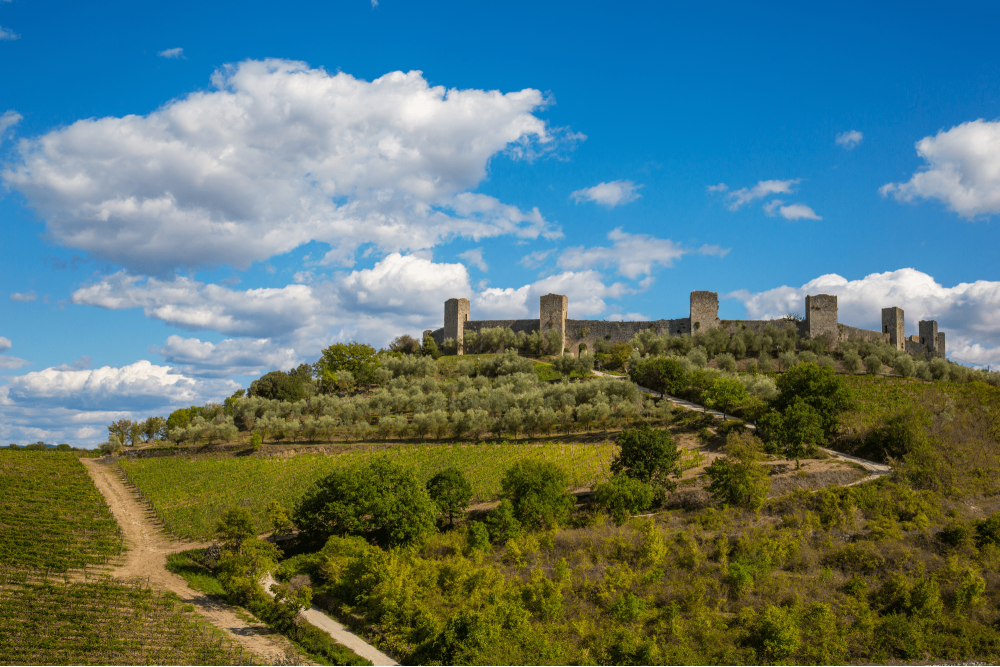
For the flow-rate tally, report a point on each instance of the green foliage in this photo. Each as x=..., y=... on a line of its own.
x=451, y=492
x=820, y=388
x=663, y=374
x=648, y=455
x=873, y=364
x=988, y=531
x=51, y=514
x=406, y=344
x=502, y=523
x=773, y=632
x=235, y=527
x=623, y=496
x=725, y=393
x=738, y=478
x=430, y=348
x=538, y=493
x=478, y=536
x=292, y=386
x=280, y=520
x=726, y=362
x=359, y=359
x=378, y=499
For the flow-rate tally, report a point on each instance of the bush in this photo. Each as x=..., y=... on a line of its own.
x=451, y=492
x=502, y=523
x=112, y=446
x=378, y=499
x=820, y=388
x=727, y=362
x=663, y=374
x=988, y=531
x=430, y=348
x=508, y=363
x=903, y=365
x=648, y=455
x=537, y=491
x=853, y=363
x=292, y=386
x=623, y=496
x=406, y=344
x=698, y=357
x=873, y=365
x=738, y=478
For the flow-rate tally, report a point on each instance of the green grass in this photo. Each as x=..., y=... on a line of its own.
x=191, y=494
x=51, y=514
x=187, y=564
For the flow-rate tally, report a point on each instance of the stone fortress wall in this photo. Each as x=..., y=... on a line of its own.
x=821, y=320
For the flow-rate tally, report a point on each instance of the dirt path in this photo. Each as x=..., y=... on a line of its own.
x=146, y=559
x=875, y=470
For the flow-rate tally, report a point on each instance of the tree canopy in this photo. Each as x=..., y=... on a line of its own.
x=648, y=455
x=538, y=492
x=359, y=359
x=292, y=386
x=820, y=388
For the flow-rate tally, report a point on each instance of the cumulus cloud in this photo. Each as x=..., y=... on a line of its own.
x=962, y=170
x=608, y=194
x=24, y=297
x=278, y=154
x=849, y=139
x=196, y=358
x=791, y=211
x=9, y=119
x=969, y=313
x=738, y=198
x=475, y=258
x=586, y=291
x=9, y=363
x=174, y=53
x=632, y=255
x=68, y=405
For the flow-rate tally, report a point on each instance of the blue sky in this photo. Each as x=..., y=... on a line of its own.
x=194, y=195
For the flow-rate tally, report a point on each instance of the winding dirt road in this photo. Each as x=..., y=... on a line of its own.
x=146, y=559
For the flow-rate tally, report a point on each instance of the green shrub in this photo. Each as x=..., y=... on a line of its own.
x=698, y=357
x=873, y=364
x=378, y=499
x=477, y=538
x=538, y=492
x=820, y=388
x=726, y=362
x=663, y=374
x=773, y=632
x=853, y=363
x=622, y=497
x=648, y=455
x=451, y=492
x=988, y=531
x=903, y=365
x=738, y=478
x=502, y=523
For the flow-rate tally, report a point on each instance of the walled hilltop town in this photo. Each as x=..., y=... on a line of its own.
x=581, y=335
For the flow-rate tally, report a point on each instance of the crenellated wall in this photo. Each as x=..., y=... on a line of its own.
x=820, y=320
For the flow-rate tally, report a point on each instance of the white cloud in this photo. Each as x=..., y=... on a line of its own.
x=608, y=194
x=586, y=291
x=9, y=363
x=798, y=212
x=475, y=258
x=962, y=169
x=849, y=139
x=403, y=284
x=628, y=317
x=176, y=52
x=969, y=313
x=8, y=35
x=228, y=358
x=535, y=259
x=24, y=297
x=738, y=198
x=277, y=155
x=75, y=406
x=632, y=255
x=9, y=119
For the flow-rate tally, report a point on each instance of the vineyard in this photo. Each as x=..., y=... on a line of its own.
x=189, y=494
x=58, y=621
x=51, y=515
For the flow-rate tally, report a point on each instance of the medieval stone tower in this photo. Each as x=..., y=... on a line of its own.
x=893, y=324
x=552, y=313
x=821, y=316
x=456, y=314
x=704, y=311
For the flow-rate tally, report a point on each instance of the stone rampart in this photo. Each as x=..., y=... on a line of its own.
x=847, y=333
x=589, y=332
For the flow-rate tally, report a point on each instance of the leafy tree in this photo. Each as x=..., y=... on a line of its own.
x=240, y=570
x=430, y=348
x=618, y=355
x=873, y=364
x=154, y=428
x=801, y=430
x=738, y=478
x=451, y=492
x=623, y=496
x=359, y=359
x=379, y=499
x=648, y=455
x=110, y=447
x=181, y=418
x=727, y=362
x=537, y=490
x=725, y=393
x=406, y=344
x=234, y=527
x=278, y=516
x=820, y=388
x=664, y=374
x=903, y=365
x=292, y=386
x=565, y=364
x=122, y=429
x=502, y=523
x=852, y=363
x=478, y=536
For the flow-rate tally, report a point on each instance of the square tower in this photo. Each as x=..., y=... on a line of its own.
x=939, y=345
x=456, y=314
x=553, y=309
x=892, y=324
x=704, y=311
x=821, y=317
x=928, y=335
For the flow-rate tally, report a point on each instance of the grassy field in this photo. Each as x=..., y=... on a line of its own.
x=51, y=515
x=190, y=494
x=103, y=622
